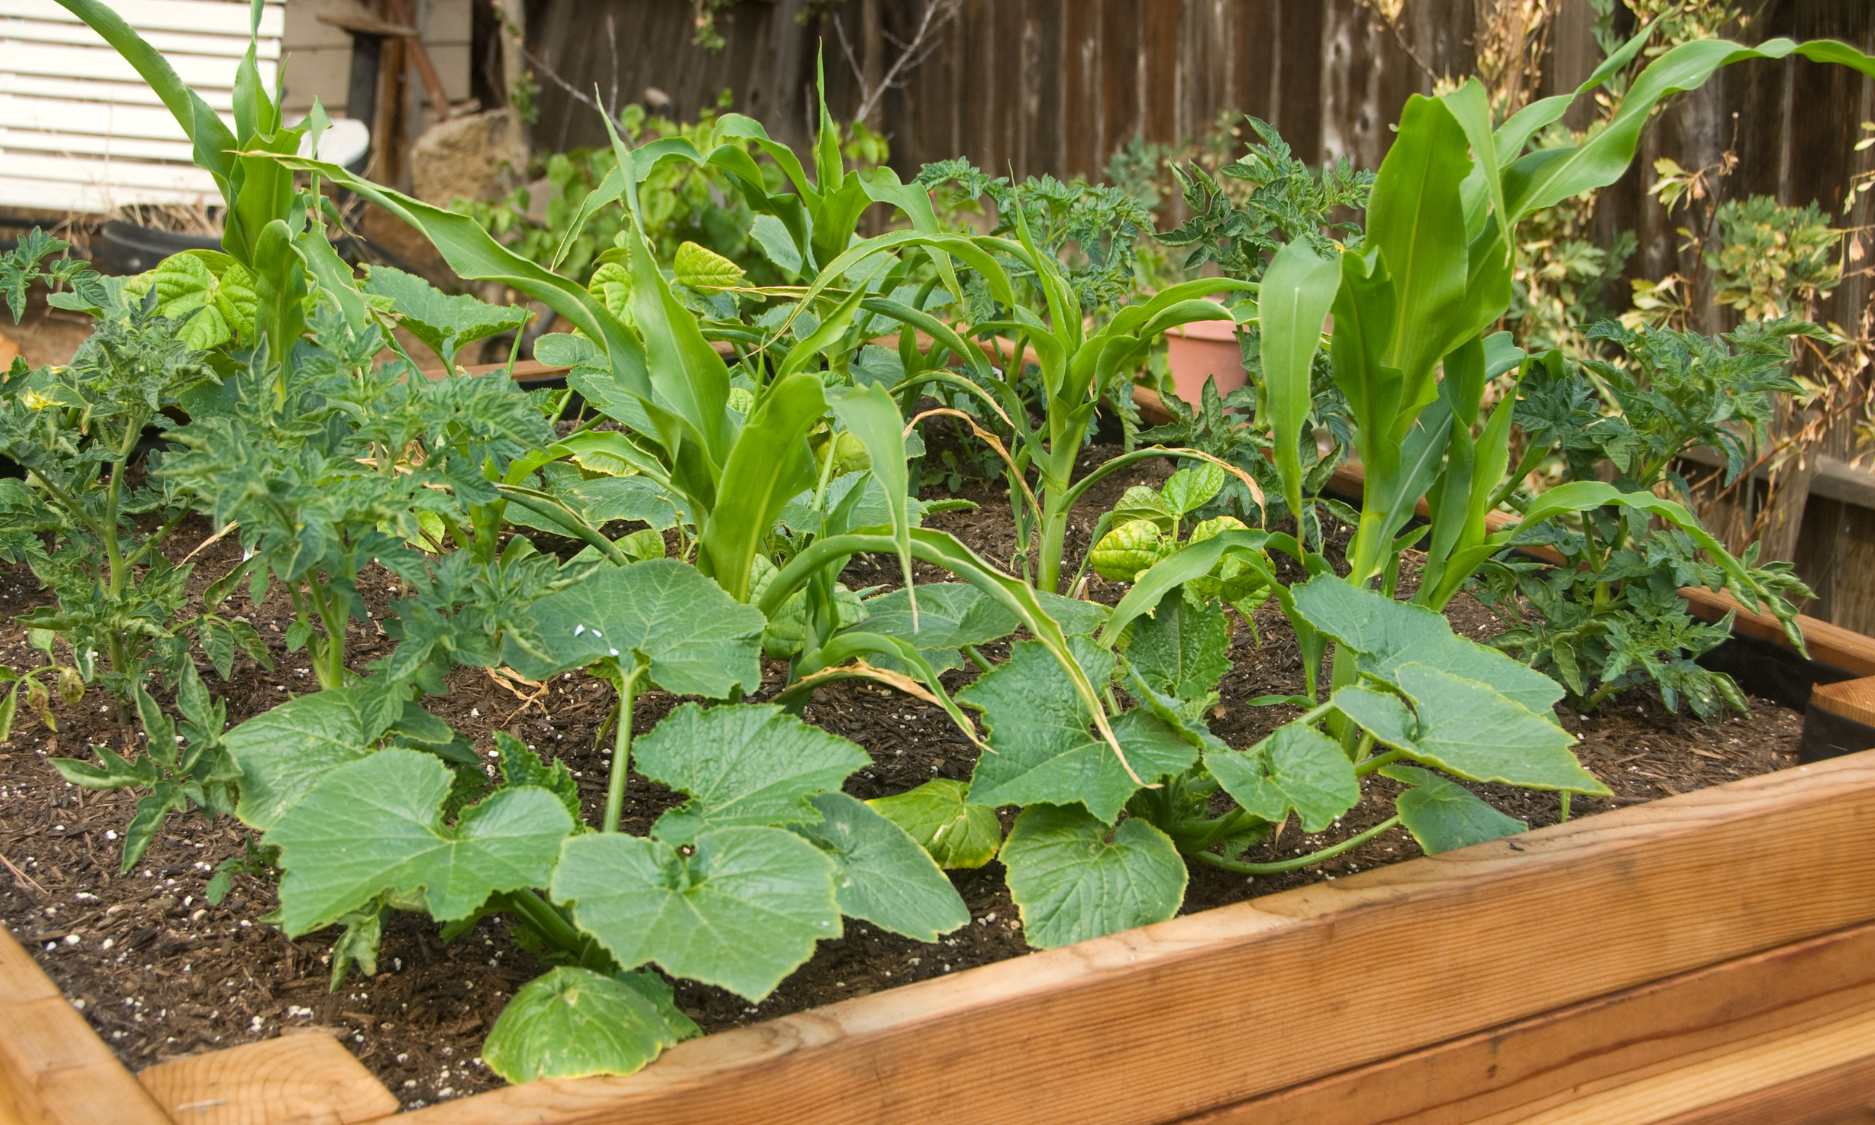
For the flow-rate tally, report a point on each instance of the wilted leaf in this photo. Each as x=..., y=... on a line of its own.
x=956, y=833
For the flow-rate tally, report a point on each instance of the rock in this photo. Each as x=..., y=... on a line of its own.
x=478, y=156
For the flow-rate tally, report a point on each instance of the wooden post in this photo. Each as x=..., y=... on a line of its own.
x=1839, y=720
x=54, y=1070
x=298, y=1077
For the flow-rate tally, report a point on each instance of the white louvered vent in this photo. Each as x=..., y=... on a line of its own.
x=79, y=130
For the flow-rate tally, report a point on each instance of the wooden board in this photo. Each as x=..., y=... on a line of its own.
x=296, y=1079
x=54, y=1070
x=1217, y=1007
x=101, y=63
x=60, y=148
x=1823, y=1066
x=311, y=23
x=1629, y=1039
x=1849, y=699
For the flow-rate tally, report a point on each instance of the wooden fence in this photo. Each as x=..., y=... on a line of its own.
x=1055, y=86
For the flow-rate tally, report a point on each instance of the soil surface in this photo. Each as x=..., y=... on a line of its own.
x=160, y=973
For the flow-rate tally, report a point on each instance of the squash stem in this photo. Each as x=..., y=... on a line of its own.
x=1238, y=867
x=621, y=752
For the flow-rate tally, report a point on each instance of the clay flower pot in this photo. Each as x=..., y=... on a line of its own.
x=1204, y=349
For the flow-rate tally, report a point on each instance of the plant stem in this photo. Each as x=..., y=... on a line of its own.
x=550, y=922
x=1201, y=835
x=621, y=752
x=1362, y=769
x=1053, y=541
x=329, y=659
x=565, y=518
x=1277, y=868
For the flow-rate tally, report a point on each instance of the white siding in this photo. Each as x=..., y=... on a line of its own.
x=79, y=130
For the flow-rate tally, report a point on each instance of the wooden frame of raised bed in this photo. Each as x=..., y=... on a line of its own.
x=1705, y=957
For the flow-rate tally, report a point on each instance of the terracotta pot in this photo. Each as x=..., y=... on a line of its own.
x=1204, y=349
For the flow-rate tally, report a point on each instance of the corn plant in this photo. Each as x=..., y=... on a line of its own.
x=1418, y=297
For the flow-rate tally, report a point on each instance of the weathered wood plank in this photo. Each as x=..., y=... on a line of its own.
x=1219, y=1006
x=301, y=1079
x=1548, y=1061
x=54, y=1070
x=1082, y=110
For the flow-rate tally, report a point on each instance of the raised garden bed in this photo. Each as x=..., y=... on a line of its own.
x=1684, y=942
x=509, y=737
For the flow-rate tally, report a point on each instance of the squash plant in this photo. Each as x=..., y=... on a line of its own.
x=733, y=888
x=1098, y=848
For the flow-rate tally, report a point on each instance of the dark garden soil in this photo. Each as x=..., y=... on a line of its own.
x=160, y=973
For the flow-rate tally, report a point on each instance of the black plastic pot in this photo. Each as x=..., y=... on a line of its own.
x=125, y=248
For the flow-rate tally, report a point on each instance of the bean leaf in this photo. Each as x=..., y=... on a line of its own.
x=208, y=294
x=701, y=268
x=1193, y=487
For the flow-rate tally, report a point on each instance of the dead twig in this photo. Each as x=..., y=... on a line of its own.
x=933, y=17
